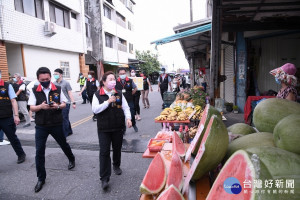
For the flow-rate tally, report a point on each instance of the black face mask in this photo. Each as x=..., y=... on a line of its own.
x=45, y=84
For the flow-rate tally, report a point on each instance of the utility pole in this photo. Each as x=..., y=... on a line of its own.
x=191, y=10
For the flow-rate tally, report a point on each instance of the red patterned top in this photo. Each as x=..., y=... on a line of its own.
x=283, y=93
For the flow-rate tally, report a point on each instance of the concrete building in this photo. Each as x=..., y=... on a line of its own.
x=111, y=34
x=37, y=33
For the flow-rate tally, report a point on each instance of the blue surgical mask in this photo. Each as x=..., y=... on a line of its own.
x=123, y=76
x=56, y=76
x=277, y=81
x=89, y=76
x=0, y=76
x=14, y=79
x=81, y=76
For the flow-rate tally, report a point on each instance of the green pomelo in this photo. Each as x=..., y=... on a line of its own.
x=241, y=129
x=155, y=177
x=270, y=111
x=248, y=141
x=265, y=164
x=194, y=146
x=171, y=193
x=211, y=152
x=287, y=133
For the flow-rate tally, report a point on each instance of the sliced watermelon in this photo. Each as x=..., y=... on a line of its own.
x=211, y=152
x=259, y=164
x=171, y=193
x=178, y=145
x=175, y=176
x=155, y=177
x=194, y=146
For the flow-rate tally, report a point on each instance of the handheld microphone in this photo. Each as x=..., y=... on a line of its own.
x=113, y=104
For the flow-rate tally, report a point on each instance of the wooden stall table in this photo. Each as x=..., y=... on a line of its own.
x=202, y=185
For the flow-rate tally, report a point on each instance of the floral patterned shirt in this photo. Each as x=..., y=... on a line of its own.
x=285, y=92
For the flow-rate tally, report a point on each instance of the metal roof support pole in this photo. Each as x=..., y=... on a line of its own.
x=192, y=70
x=215, y=50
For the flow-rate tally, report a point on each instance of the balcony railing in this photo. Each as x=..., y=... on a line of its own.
x=121, y=22
x=122, y=47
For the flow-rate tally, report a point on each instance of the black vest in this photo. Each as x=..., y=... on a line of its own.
x=5, y=102
x=164, y=83
x=128, y=88
x=145, y=83
x=48, y=117
x=112, y=118
x=91, y=87
x=22, y=96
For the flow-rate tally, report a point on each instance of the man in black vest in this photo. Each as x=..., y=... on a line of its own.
x=20, y=89
x=9, y=117
x=47, y=100
x=128, y=88
x=163, y=81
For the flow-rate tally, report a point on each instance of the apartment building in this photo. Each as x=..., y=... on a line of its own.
x=37, y=33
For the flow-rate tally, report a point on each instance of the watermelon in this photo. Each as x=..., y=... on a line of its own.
x=175, y=176
x=287, y=133
x=155, y=178
x=171, y=193
x=241, y=129
x=211, y=152
x=270, y=111
x=194, y=146
x=178, y=145
x=252, y=140
x=255, y=165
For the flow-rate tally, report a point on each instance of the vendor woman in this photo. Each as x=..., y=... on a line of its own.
x=111, y=109
x=285, y=76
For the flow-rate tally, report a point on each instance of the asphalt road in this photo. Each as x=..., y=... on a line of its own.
x=18, y=181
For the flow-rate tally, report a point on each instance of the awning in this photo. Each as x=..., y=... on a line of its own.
x=184, y=34
x=116, y=64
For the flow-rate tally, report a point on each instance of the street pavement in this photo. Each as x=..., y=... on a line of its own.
x=17, y=181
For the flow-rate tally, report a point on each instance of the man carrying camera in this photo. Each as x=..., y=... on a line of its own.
x=47, y=101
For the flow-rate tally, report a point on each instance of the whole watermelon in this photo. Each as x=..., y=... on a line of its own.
x=270, y=111
x=287, y=133
x=241, y=129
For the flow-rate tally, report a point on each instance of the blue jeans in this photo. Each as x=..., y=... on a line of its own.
x=1, y=135
x=8, y=126
x=41, y=135
x=66, y=122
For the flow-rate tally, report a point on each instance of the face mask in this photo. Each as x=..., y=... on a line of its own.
x=14, y=79
x=56, y=76
x=123, y=76
x=89, y=76
x=111, y=85
x=133, y=74
x=81, y=76
x=45, y=84
x=163, y=72
x=277, y=81
x=0, y=76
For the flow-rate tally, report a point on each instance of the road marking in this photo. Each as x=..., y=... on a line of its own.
x=81, y=121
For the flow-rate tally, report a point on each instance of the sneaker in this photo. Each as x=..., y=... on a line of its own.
x=104, y=184
x=94, y=118
x=117, y=170
x=21, y=159
x=135, y=128
x=4, y=142
x=26, y=125
x=32, y=120
x=138, y=118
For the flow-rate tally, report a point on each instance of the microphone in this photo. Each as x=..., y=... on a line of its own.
x=113, y=104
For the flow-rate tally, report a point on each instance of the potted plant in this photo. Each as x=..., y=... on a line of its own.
x=229, y=106
x=235, y=109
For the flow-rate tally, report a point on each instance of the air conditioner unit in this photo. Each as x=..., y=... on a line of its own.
x=49, y=28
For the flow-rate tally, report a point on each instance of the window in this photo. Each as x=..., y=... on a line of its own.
x=59, y=15
x=108, y=40
x=30, y=7
x=130, y=6
x=124, y=1
x=121, y=20
x=129, y=26
x=87, y=27
x=107, y=11
x=65, y=67
x=130, y=48
x=73, y=15
x=122, y=45
x=110, y=1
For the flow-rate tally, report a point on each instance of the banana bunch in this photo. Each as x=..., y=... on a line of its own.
x=197, y=107
x=172, y=116
x=161, y=117
x=193, y=131
x=188, y=111
x=177, y=109
x=166, y=111
x=182, y=116
x=198, y=115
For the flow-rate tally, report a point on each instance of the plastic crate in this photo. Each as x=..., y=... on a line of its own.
x=169, y=97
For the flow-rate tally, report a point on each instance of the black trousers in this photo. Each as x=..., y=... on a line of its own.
x=132, y=112
x=105, y=140
x=41, y=135
x=136, y=99
x=9, y=128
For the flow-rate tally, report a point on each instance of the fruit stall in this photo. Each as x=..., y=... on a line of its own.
x=219, y=162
